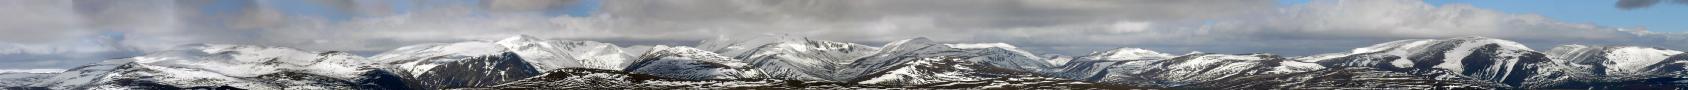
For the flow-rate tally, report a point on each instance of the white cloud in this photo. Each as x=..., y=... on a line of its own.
x=1413, y=19
x=36, y=21
x=31, y=70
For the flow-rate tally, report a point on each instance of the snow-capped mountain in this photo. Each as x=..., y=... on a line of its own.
x=19, y=80
x=908, y=62
x=1126, y=53
x=921, y=61
x=581, y=78
x=1057, y=59
x=1188, y=69
x=1350, y=78
x=1617, y=61
x=81, y=76
x=556, y=54
x=227, y=66
x=486, y=63
x=792, y=58
x=1145, y=68
x=1094, y=66
x=692, y=64
x=456, y=65
x=1482, y=58
x=1613, y=67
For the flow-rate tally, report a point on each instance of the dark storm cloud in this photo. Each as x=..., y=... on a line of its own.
x=1634, y=4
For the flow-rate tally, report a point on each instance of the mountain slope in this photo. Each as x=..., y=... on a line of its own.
x=554, y=54
x=456, y=65
x=81, y=76
x=1616, y=61
x=19, y=80
x=1126, y=53
x=486, y=63
x=921, y=61
x=1584, y=66
x=791, y=58
x=1349, y=78
x=1488, y=59
x=1188, y=69
x=691, y=64
x=581, y=78
x=226, y=66
x=1094, y=66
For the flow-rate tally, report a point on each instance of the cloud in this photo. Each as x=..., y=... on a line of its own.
x=1633, y=4
x=62, y=54
x=679, y=20
x=1412, y=19
x=1328, y=26
x=36, y=21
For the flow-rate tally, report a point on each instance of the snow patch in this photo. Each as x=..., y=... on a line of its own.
x=1128, y=54
x=1636, y=59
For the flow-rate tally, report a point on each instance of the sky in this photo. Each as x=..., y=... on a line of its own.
x=49, y=34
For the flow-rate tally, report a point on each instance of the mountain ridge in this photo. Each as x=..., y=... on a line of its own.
x=785, y=62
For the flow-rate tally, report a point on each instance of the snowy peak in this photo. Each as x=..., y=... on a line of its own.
x=448, y=51
x=900, y=45
x=1057, y=59
x=1427, y=44
x=1245, y=57
x=1438, y=53
x=456, y=65
x=1579, y=52
x=1489, y=59
x=1009, y=49
x=1126, y=53
x=920, y=61
x=82, y=76
x=791, y=58
x=250, y=61
x=556, y=54
x=417, y=59
x=1205, y=67
x=690, y=63
x=735, y=47
x=541, y=53
x=1614, y=60
x=891, y=55
x=1178, y=71
x=220, y=65
x=828, y=51
x=690, y=53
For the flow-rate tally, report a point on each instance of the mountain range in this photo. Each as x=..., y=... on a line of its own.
x=786, y=62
